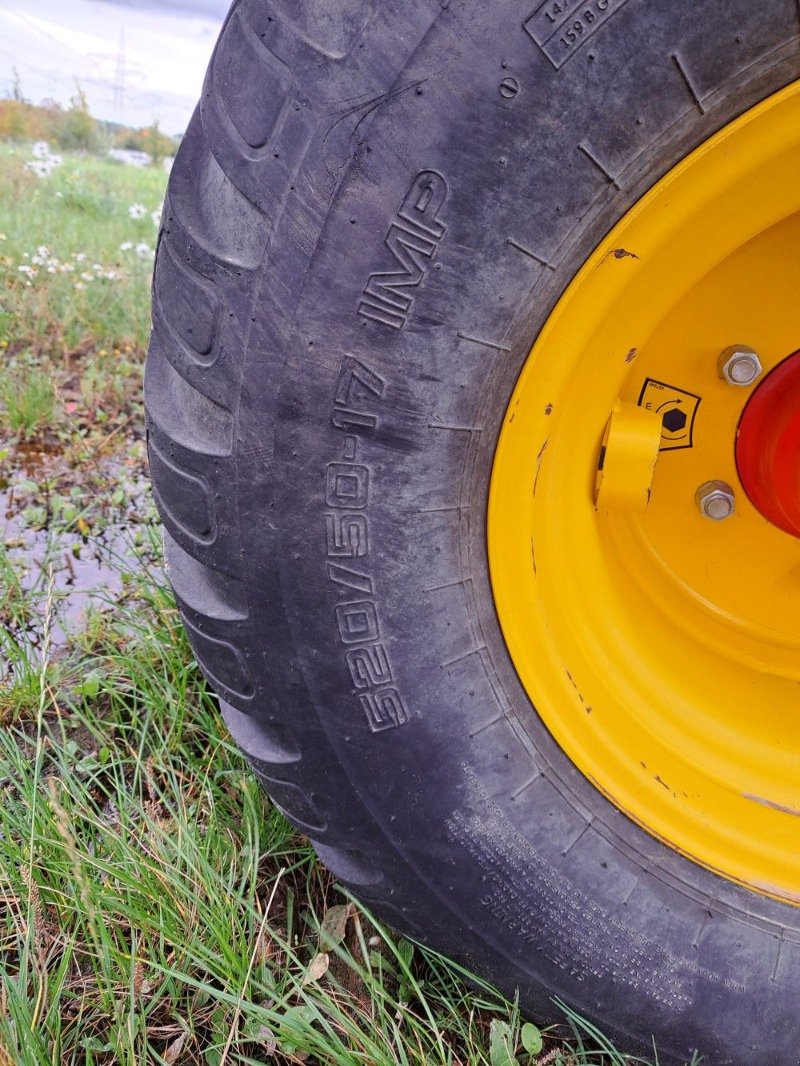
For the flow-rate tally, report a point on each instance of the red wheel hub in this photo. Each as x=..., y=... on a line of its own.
x=768, y=446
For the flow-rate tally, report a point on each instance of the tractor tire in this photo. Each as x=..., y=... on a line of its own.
x=374, y=211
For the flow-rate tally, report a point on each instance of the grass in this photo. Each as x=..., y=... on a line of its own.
x=28, y=400
x=75, y=271
x=158, y=909
x=69, y=231
x=154, y=907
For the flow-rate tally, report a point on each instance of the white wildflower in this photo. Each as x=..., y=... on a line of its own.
x=79, y=257
x=130, y=158
x=28, y=271
x=137, y=211
x=143, y=250
x=44, y=161
x=111, y=275
x=79, y=286
x=67, y=268
x=86, y=276
x=156, y=216
x=126, y=246
x=2, y=237
x=51, y=270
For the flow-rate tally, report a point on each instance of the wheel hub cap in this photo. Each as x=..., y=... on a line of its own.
x=768, y=447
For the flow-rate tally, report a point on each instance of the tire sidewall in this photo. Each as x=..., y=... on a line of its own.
x=552, y=887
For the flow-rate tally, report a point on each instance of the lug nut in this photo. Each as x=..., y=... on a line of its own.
x=715, y=500
x=740, y=365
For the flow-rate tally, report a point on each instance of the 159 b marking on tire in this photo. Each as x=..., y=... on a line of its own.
x=560, y=27
x=347, y=537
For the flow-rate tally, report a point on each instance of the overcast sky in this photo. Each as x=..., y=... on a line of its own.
x=137, y=60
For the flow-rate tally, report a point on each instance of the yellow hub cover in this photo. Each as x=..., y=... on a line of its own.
x=661, y=647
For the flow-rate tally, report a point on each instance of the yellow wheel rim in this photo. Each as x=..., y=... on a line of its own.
x=661, y=648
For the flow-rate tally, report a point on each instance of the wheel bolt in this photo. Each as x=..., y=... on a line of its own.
x=715, y=500
x=740, y=365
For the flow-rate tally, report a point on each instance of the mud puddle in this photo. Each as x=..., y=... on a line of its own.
x=73, y=528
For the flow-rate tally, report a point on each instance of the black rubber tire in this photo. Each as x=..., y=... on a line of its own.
x=331, y=566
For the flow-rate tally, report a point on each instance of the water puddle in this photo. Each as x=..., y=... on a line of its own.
x=71, y=533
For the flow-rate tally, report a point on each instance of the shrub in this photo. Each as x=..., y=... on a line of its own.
x=78, y=131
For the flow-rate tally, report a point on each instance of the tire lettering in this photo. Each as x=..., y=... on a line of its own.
x=347, y=485
x=369, y=667
x=412, y=239
x=349, y=579
x=384, y=710
x=560, y=27
x=357, y=621
x=357, y=383
x=347, y=536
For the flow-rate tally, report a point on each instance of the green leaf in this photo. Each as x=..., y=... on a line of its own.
x=501, y=1044
x=405, y=949
x=35, y=517
x=531, y=1039
x=90, y=686
x=295, y=1024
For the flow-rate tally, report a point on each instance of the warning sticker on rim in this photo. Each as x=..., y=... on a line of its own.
x=678, y=410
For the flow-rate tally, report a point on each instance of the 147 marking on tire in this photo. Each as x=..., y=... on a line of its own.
x=347, y=536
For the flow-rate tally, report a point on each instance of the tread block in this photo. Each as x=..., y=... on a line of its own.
x=330, y=28
x=265, y=742
x=181, y=413
x=291, y=800
x=350, y=867
x=209, y=207
x=183, y=497
x=207, y=592
x=222, y=663
x=187, y=305
x=252, y=82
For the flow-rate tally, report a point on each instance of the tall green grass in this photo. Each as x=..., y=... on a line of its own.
x=28, y=400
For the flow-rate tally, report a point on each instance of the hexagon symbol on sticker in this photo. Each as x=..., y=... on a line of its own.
x=674, y=420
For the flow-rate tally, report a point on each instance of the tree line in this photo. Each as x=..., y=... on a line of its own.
x=75, y=129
